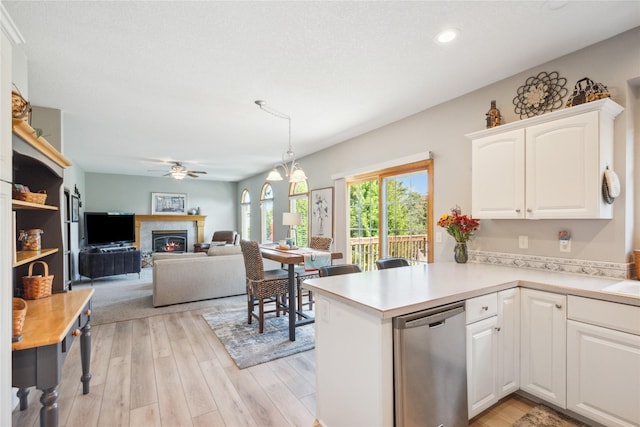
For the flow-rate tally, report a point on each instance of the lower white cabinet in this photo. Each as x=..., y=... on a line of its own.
x=603, y=363
x=543, y=371
x=492, y=349
x=482, y=365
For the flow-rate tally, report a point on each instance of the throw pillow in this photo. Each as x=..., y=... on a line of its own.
x=224, y=250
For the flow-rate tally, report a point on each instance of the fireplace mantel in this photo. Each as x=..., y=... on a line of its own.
x=198, y=219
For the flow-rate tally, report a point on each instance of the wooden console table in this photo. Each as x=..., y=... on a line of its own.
x=49, y=329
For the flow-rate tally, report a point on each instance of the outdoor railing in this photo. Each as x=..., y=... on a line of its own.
x=364, y=250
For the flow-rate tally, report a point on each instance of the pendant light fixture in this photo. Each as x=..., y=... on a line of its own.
x=292, y=169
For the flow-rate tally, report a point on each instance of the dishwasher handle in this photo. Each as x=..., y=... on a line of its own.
x=432, y=318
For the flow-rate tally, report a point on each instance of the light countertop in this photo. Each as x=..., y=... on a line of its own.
x=397, y=291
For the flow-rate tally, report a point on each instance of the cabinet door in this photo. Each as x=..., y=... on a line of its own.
x=563, y=171
x=497, y=176
x=482, y=363
x=508, y=341
x=603, y=374
x=543, y=345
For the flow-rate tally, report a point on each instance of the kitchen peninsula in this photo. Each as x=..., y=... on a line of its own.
x=354, y=333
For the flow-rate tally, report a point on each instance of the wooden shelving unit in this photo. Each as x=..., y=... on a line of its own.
x=25, y=257
x=39, y=165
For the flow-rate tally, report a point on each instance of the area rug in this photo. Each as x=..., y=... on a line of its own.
x=127, y=297
x=542, y=416
x=247, y=347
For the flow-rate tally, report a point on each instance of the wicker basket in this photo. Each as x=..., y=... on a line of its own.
x=39, y=197
x=636, y=254
x=19, y=314
x=36, y=287
x=20, y=107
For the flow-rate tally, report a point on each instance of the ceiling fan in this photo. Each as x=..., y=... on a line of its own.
x=179, y=171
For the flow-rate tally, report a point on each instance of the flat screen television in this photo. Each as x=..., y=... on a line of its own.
x=109, y=228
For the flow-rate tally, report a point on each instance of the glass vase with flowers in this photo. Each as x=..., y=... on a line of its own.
x=461, y=228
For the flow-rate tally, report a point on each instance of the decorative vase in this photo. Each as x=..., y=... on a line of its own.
x=460, y=252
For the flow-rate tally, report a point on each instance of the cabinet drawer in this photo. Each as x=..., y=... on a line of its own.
x=481, y=307
x=622, y=317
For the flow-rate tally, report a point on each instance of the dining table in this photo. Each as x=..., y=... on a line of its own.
x=291, y=258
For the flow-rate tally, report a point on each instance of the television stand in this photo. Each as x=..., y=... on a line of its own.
x=101, y=262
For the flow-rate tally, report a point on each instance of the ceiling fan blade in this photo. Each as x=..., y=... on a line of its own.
x=192, y=175
x=203, y=172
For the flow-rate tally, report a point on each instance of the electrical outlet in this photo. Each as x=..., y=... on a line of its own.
x=438, y=237
x=523, y=242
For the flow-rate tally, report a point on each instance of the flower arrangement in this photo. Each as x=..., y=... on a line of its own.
x=460, y=226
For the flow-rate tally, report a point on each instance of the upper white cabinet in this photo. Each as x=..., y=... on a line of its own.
x=544, y=167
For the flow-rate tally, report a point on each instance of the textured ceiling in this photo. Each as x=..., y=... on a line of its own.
x=145, y=82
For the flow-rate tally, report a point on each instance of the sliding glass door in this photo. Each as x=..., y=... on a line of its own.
x=390, y=215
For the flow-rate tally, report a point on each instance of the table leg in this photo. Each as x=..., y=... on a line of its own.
x=85, y=357
x=23, y=394
x=49, y=410
x=292, y=303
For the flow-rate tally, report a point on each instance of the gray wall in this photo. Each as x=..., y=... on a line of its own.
x=217, y=200
x=441, y=129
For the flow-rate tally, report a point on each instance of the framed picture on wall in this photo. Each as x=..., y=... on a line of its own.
x=321, y=201
x=168, y=204
x=75, y=209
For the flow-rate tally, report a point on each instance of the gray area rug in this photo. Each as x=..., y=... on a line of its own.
x=542, y=416
x=247, y=347
x=127, y=297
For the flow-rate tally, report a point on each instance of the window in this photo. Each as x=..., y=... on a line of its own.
x=390, y=214
x=245, y=215
x=266, y=214
x=299, y=203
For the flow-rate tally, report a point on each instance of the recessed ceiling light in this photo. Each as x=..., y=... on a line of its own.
x=447, y=36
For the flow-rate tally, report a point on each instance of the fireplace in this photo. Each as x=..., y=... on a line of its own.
x=169, y=240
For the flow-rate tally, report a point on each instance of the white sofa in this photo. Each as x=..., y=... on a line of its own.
x=187, y=277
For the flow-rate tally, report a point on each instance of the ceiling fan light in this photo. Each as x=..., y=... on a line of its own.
x=297, y=175
x=274, y=175
x=178, y=174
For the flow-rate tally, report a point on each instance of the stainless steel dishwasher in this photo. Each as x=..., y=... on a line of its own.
x=430, y=370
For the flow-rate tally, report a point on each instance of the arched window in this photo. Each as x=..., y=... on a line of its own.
x=245, y=215
x=299, y=203
x=266, y=214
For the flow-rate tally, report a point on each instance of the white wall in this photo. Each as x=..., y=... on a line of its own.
x=441, y=129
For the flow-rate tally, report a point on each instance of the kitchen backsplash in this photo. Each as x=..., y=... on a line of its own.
x=576, y=266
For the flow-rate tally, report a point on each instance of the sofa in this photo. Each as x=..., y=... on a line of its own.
x=187, y=277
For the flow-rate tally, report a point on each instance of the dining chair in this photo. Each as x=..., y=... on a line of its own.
x=265, y=286
x=320, y=244
x=391, y=262
x=335, y=270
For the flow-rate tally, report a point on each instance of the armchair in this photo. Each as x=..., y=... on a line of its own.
x=227, y=237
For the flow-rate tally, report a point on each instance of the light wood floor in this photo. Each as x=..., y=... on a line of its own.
x=172, y=370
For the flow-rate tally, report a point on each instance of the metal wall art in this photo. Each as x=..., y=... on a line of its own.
x=540, y=94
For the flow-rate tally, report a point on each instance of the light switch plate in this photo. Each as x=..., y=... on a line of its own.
x=523, y=242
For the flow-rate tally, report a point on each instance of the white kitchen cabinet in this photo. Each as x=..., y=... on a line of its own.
x=549, y=166
x=482, y=365
x=543, y=345
x=508, y=342
x=492, y=348
x=603, y=362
